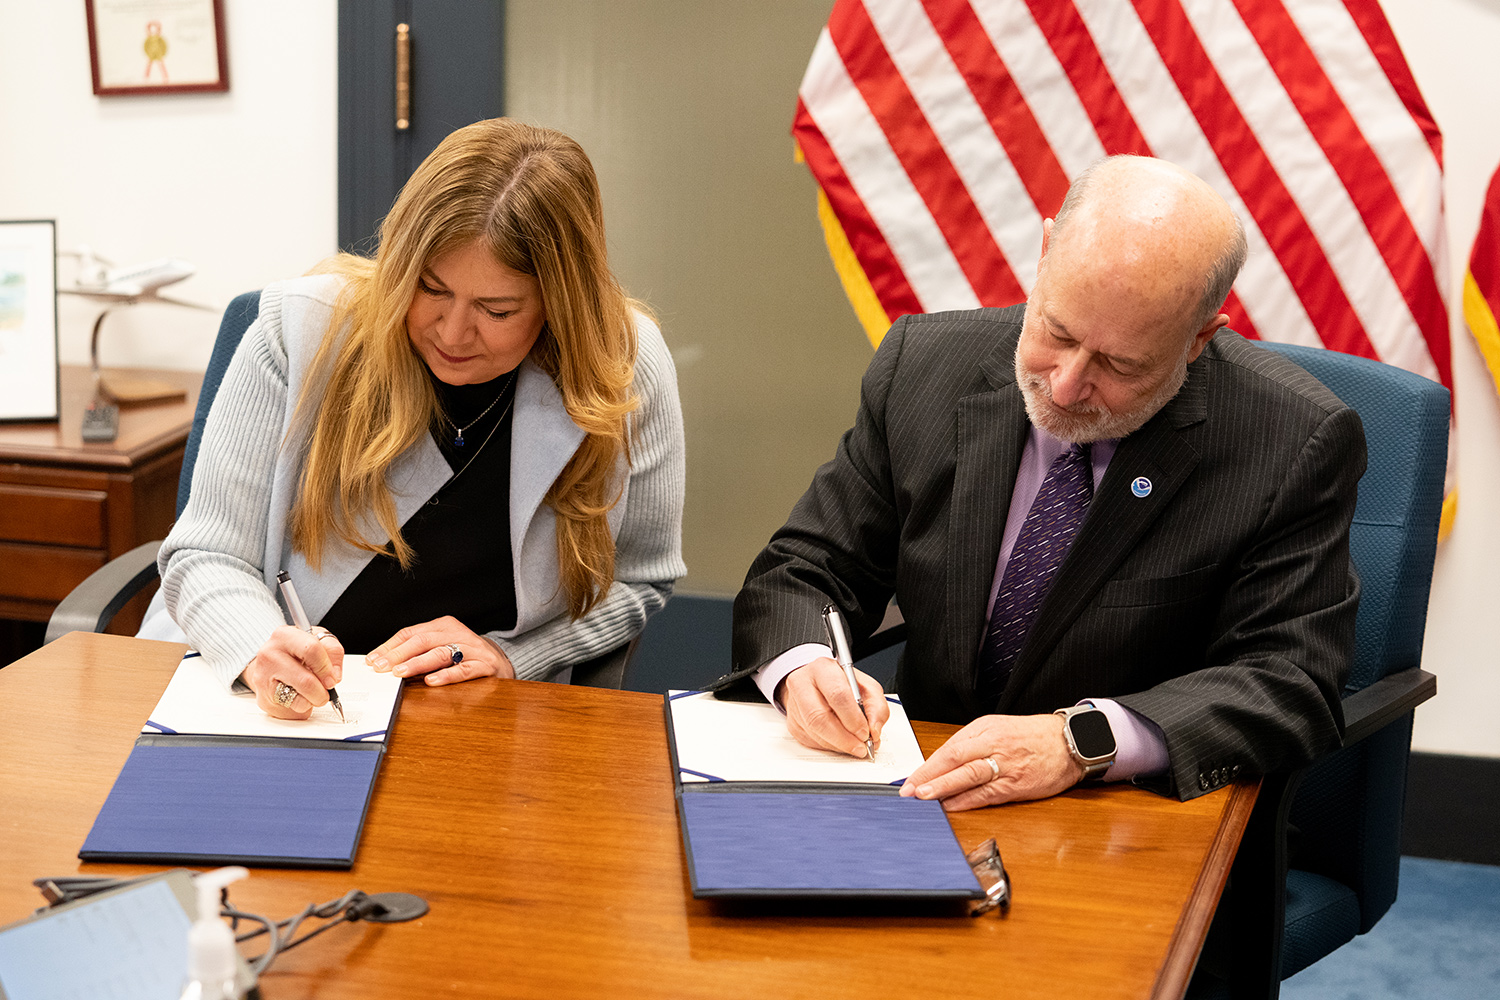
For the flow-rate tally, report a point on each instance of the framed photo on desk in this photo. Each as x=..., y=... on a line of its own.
x=28, y=320
x=157, y=46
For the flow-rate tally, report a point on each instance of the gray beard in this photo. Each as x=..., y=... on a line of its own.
x=1084, y=424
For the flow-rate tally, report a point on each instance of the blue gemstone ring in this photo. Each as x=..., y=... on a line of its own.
x=456, y=655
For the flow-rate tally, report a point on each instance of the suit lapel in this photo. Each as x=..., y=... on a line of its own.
x=1116, y=521
x=990, y=435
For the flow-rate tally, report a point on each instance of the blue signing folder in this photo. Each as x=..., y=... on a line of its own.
x=215, y=785
x=762, y=819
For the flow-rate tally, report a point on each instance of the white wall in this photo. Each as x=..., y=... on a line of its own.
x=1451, y=46
x=241, y=184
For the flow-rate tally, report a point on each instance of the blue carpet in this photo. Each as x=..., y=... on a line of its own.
x=1440, y=939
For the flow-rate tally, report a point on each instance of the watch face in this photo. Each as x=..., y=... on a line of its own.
x=1091, y=734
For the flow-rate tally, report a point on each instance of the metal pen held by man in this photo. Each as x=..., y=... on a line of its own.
x=299, y=619
x=838, y=638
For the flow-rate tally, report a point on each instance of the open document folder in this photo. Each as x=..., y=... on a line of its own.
x=214, y=780
x=195, y=703
x=764, y=816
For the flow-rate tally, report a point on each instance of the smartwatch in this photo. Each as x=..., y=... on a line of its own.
x=1090, y=740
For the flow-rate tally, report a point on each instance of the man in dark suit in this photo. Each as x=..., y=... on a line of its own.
x=1101, y=507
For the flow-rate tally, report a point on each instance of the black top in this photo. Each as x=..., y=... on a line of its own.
x=461, y=536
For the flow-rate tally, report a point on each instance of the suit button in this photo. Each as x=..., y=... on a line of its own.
x=1203, y=782
x=1234, y=772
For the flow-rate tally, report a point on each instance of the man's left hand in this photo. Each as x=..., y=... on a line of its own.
x=1031, y=762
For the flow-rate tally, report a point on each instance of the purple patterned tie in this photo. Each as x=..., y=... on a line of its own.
x=1048, y=530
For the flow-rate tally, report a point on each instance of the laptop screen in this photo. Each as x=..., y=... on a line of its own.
x=130, y=945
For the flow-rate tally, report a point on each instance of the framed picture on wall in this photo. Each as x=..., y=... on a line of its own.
x=28, y=320
x=157, y=46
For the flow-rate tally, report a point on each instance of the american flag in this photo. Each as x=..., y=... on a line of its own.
x=941, y=133
x=1482, y=282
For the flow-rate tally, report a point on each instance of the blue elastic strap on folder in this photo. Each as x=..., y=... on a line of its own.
x=250, y=803
x=815, y=843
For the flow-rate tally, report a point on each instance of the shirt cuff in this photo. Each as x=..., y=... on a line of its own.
x=1140, y=746
x=770, y=675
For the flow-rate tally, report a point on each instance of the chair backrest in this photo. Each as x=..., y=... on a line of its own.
x=1394, y=536
x=685, y=645
x=240, y=313
x=1348, y=808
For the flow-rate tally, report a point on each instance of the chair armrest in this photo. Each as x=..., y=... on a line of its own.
x=1372, y=708
x=607, y=671
x=1259, y=916
x=91, y=605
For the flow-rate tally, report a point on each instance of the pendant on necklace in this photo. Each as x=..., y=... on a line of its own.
x=459, y=441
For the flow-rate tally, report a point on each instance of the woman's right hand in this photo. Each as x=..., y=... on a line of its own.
x=310, y=662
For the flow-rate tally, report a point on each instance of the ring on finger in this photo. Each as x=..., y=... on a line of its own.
x=319, y=632
x=455, y=655
x=285, y=694
x=994, y=768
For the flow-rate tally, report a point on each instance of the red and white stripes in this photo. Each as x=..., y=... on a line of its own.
x=943, y=132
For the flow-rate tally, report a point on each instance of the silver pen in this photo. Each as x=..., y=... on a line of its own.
x=299, y=619
x=838, y=638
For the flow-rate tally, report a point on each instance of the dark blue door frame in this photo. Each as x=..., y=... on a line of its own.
x=457, y=51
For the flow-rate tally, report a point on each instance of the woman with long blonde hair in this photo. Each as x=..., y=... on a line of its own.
x=474, y=436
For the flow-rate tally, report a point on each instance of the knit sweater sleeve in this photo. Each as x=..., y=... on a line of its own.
x=211, y=563
x=648, y=548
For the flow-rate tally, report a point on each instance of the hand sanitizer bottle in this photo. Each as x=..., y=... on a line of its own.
x=211, y=952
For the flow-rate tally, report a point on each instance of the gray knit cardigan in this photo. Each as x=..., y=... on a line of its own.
x=219, y=563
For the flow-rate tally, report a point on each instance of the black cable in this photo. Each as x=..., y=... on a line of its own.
x=346, y=908
x=353, y=906
x=262, y=961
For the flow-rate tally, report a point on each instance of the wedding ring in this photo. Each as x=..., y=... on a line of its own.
x=285, y=694
x=319, y=631
x=456, y=655
x=994, y=768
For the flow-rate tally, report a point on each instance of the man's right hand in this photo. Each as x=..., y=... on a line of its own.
x=821, y=712
x=311, y=664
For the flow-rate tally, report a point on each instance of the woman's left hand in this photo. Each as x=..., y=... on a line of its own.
x=428, y=649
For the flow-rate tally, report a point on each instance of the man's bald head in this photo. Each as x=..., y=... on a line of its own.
x=1154, y=226
x=1127, y=295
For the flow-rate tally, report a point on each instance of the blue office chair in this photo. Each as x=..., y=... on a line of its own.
x=91, y=605
x=1320, y=859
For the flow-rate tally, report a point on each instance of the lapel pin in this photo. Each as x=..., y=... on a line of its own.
x=1141, y=487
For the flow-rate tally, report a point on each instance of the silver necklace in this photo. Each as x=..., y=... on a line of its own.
x=477, y=451
x=458, y=440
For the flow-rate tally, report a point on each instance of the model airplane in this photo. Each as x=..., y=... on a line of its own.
x=123, y=286
x=136, y=283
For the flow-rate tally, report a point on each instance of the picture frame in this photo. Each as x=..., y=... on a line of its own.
x=157, y=46
x=29, y=384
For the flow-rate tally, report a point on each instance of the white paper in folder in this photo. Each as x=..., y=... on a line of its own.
x=748, y=741
x=196, y=703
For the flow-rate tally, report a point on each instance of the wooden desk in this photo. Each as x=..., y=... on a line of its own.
x=538, y=822
x=67, y=507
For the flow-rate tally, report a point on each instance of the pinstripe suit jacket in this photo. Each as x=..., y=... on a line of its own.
x=1220, y=606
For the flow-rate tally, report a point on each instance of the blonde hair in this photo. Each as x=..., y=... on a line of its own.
x=530, y=196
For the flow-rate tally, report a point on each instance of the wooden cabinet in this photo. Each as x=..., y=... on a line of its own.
x=67, y=507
